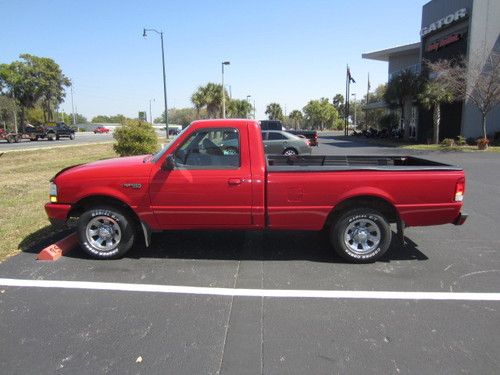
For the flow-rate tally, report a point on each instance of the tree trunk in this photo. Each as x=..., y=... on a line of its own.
x=436, y=119
x=22, y=119
x=483, y=122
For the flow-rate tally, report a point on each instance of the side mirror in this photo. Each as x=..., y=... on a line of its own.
x=168, y=164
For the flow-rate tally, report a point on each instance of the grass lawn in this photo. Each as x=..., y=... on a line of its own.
x=24, y=177
x=432, y=147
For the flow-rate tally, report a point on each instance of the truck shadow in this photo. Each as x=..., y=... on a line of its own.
x=36, y=241
x=239, y=245
x=229, y=245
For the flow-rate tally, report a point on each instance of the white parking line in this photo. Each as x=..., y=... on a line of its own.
x=278, y=293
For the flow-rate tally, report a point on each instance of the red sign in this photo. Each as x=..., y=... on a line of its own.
x=443, y=42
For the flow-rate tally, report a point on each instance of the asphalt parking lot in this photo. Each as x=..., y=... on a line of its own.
x=150, y=323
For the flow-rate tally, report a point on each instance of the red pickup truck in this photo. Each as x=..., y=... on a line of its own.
x=215, y=175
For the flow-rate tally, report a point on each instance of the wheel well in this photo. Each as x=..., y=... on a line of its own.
x=82, y=205
x=386, y=208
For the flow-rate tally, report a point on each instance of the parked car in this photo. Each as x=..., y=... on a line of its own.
x=282, y=142
x=312, y=135
x=193, y=184
x=101, y=129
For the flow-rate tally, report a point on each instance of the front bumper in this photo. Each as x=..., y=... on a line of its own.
x=460, y=219
x=57, y=213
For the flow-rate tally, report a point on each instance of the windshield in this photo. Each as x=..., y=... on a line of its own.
x=160, y=153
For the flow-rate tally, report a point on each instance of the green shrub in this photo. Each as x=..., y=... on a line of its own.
x=135, y=137
x=448, y=142
x=461, y=140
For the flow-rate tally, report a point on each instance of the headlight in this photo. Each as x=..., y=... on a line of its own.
x=53, y=192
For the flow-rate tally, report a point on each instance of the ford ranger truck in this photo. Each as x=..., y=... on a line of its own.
x=215, y=175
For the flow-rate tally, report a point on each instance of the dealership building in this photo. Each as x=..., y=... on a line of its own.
x=450, y=28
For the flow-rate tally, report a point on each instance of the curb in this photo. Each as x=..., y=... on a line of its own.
x=58, y=249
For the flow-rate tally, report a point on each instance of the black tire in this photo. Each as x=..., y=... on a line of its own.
x=50, y=136
x=361, y=235
x=57, y=137
x=71, y=136
x=113, y=220
x=17, y=138
x=10, y=139
x=290, y=152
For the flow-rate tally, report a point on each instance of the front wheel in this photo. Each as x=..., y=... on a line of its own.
x=290, y=152
x=361, y=235
x=71, y=136
x=106, y=232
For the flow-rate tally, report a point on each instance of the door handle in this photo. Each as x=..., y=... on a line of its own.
x=234, y=181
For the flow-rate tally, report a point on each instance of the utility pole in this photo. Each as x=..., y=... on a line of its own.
x=150, y=116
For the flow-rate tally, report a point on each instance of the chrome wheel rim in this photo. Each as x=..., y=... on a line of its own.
x=290, y=153
x=103, y=233
x=362, y=236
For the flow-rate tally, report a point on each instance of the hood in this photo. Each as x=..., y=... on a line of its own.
x=131, y=166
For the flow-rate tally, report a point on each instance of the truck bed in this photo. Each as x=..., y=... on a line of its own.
x=324, y=163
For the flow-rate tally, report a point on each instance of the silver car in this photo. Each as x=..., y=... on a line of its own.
x=281, y=142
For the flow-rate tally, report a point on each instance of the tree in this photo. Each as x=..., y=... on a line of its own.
x=274, y=112
x=210, y=98
x=477, y=83
x=434, y=93
x=376, y=116
x=401, y=91
x=321, y=112
x=338, y=103
x=8, y=110
x=181, y=116
x=116, y=119
x=135, y=138
x=296, y=118
x=239, y=108
x=34, y=79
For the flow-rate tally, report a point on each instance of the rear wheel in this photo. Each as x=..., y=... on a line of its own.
x=361, y=235
x=10, y=139
x=71, y=136
x=106, y=232
x=50, y=137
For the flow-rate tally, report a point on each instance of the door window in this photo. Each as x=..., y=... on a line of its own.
x=210, y=149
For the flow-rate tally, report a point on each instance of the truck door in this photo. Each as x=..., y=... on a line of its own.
x=210, y=184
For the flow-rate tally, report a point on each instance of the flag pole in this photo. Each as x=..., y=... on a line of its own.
x=346, y=101
x=367, y=101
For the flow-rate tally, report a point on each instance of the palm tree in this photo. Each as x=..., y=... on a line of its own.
x=401, y=91
x=198, y=101
x=433, y=94
x=239, y=108
x=274, y=111
x=209, y=97
x=296, y=117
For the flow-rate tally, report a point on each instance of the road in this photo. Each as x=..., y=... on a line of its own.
x=132, y=329
x=80, y=139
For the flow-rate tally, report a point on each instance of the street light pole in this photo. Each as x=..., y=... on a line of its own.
x=150, y=116
x=144, y=34
x=223, y=91
x=248, y=100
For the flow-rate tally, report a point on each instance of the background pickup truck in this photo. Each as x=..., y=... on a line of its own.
x=51, y=131
x=197, y=182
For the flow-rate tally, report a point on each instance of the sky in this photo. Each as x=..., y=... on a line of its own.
x=287, y=52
